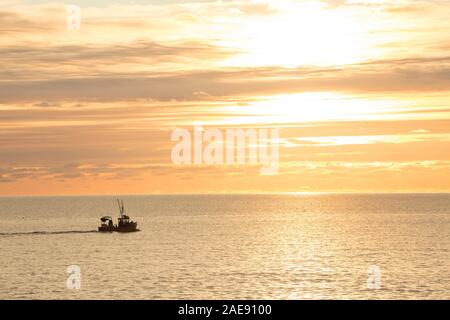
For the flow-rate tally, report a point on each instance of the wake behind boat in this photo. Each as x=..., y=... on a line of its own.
x=125, y=224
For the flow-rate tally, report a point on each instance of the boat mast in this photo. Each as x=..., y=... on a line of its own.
x=120, y=207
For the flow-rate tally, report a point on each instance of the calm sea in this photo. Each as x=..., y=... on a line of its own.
x=229, y=247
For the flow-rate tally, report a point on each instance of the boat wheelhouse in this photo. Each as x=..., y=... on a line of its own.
x=106, y=225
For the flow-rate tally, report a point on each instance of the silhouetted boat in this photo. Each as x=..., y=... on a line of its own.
x=124, y=223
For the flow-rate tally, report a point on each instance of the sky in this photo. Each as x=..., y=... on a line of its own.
x=359, y=90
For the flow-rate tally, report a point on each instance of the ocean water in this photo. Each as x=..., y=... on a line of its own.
x=229, y=247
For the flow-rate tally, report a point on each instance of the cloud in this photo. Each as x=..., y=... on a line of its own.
x=419, y=131
x=99, y=103
x=45, y=104
x=232, y=82
x=15, y=22
x=35, y=62
x=118, y=55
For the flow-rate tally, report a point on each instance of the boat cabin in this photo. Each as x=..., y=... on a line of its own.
x=106, y=224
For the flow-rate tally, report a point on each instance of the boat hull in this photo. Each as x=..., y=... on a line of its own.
x=130, y=227
x=126, y=230
x=106, y=229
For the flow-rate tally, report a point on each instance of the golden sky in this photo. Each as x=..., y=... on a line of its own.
x=360, y=90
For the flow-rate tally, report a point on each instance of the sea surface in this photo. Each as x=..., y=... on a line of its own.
x=324, y=246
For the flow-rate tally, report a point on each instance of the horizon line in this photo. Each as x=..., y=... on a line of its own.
x=231, y=194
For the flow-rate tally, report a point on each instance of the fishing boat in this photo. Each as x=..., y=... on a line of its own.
x=125, y=224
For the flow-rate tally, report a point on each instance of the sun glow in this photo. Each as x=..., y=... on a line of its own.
x=307, y=33
x=314, y=107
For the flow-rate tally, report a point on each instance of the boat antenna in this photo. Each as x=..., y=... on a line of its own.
x=123, y=208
